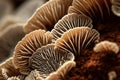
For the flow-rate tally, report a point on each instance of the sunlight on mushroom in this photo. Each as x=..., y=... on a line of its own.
x=27, y=46
x=47, y=60
x=47, y=15
x=68, y=22
x=106, y=46
x=77, y=40
x=95, y=9
x=116, y=7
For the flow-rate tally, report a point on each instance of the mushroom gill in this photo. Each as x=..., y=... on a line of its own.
x=98, y=10
x=106, y=46
x=9, y=37
x=27, y=46
x=47, y=15
x=116, y=7
x=34, y=75
x=7, y=69
x=68, y=22
x=48, y=60
x=77, y=40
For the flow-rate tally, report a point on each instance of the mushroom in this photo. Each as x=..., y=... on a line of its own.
x=116, y=7
x=78, y=39
x=47, y=15
x=98, y=10
x=48, y=60
x=112, y=75
x=106, y=46
x=9, y=37
x=7, y=69
x=34, y=75
x=27, y=46
x=70, y=21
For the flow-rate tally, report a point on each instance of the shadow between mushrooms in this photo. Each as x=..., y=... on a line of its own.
x=47, y=15
x=49, y=61
x=70, y=21
x=27, y=46
x=77, y=40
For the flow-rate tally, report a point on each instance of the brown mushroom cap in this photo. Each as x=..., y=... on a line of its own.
x=106, y=46
x=27, y=46
x=47, y=15
x=98, y=10
x=47, y=59
x=116, y=7
x=10, y=69
x=68, y=22
x=77, y=40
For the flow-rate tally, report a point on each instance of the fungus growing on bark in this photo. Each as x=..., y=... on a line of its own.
x=9, y=37
x=47, y=15
x=98, y=10
x=7, y=69
x=47, y=60
x=70, y=21
x=27, y=46
x=116, y=7
x=106, y=46
x=77, y=40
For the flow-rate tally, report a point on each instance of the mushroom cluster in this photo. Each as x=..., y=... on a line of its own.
x=64, y=40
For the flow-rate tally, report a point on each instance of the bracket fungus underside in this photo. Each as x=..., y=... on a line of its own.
x=78, y=39
x=47, y=15
x=27, y=46
x=48, y=60
x=70, y=21
x=98, y=10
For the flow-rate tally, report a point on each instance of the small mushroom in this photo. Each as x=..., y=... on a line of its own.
x=34, y=75
x=70, y=21
x=106, y=46
x=112, y=75
x=47, y=15
x=47, y=60
x=98, y=10
x=77, y=40
x=7, y=69
x=116, y=7
x=61, y=72
x=27, y=46
x=9, y=37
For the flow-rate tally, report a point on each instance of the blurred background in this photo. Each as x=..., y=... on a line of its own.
x=13, y=16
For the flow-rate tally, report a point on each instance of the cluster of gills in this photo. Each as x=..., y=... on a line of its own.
x=65, y=40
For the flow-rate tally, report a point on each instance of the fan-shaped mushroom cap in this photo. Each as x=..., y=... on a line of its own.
x=34, y=75
x=47, y=59
x=9, y=37
x=116, y=7
x=7, y=69
x=27, y=46
x=78, y=39
x=61, y=72
x=68, y=22
x=25, y=11
x=47, y=15
x=96, y=9
x=106, y=46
